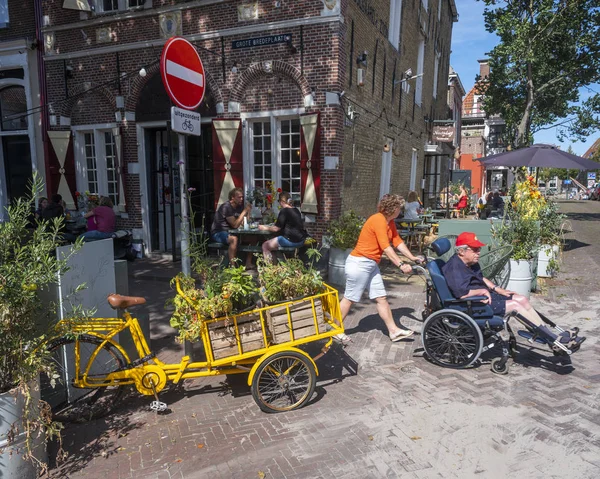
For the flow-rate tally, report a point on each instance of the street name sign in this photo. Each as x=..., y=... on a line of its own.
x=185, y=121
x=182, y=73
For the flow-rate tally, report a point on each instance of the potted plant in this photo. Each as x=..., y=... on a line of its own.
x=296, y=287
x=343, y=235
x=520, y=228
x=28, y=264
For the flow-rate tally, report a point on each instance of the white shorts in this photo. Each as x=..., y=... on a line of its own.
x=360, y=273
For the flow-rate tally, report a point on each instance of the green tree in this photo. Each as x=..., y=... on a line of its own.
x=548, y=50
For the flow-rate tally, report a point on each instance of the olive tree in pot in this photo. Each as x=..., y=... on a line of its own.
x=28, y=264
x=343, y=235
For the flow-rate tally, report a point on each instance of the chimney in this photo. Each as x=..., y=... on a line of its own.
x=484, y=68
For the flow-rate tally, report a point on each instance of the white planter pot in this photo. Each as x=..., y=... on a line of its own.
x=520, y=277
x=12, y=464
x=547, y=253
x=337, y=265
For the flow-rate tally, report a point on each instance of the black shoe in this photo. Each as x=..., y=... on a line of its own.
x=576, y=343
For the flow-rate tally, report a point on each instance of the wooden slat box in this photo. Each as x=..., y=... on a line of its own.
x=223, y=340
x=303, y=322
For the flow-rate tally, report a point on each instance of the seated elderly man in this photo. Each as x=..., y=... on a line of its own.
x=464, y=278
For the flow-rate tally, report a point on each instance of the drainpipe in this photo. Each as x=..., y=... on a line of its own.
x=39, y=41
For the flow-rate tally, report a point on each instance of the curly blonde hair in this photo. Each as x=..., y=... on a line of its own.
x=389, y=203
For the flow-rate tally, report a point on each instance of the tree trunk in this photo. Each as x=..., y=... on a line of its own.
x=524, y=128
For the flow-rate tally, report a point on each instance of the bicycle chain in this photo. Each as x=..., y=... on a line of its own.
x=137, y=362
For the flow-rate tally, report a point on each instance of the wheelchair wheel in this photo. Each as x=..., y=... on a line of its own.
x=499, y=368
x=452, y=339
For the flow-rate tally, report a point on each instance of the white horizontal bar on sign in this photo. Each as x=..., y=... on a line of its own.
x=184, y=73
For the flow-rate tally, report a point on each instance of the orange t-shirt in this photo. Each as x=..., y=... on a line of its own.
x=375, y=236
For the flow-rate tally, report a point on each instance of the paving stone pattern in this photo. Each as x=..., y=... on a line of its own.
x=380, y=409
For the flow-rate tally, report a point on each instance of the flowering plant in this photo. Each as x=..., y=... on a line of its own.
x=520, y=226
x=264, y=196
x=86, y=201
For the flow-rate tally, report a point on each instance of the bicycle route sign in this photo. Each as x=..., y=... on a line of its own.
x=185, y=121
x=182, y=73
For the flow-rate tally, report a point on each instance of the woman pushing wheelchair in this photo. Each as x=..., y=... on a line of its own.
x=465, y=279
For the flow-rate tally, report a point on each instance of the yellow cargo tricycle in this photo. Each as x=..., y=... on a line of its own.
x=92, y=367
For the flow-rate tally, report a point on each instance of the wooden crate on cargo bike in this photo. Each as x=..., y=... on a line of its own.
x=296, y=320
x=224, y=334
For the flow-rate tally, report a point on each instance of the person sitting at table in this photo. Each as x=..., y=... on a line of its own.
x=289, y=223
x=105, y=221
x=56, y=210
x=498, y=204
x=230, y=215
x=463, y=201
x=42, y=204
x=412, y=207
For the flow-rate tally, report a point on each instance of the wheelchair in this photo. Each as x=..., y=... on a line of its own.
x=457, y=331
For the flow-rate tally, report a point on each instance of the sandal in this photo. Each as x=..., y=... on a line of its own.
x=343, y=339
x=402, y=334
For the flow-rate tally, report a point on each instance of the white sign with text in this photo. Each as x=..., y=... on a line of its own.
x=185, y=121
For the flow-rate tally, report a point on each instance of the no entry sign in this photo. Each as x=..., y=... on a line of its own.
x=182, y=73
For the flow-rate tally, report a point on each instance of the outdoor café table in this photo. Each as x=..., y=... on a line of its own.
x=439, y=213
x=413, y=236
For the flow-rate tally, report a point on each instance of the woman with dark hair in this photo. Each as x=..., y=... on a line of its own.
x=105, y=221
x=42, y=205
x=378, y=236
x=289, y=224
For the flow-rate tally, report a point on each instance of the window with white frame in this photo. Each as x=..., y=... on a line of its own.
x=420, y=64
x=275, y=158
x=394, y=32
x=107, y=6
x=96, y=157
x=413, y=170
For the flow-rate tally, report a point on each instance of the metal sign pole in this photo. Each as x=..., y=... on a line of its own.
x=185, y=216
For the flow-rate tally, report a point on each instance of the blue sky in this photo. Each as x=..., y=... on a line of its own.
x=471, y=42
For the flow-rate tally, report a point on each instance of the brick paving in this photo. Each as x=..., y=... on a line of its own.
x=379, y=410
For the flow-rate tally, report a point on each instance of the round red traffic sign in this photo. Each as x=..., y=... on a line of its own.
x=182, y=73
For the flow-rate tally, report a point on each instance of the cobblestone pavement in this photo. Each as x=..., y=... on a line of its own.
x=380, y=409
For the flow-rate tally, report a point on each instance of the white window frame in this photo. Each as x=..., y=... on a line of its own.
x=81, y=169
x=395, y=30
x=439, y=10
x=413, y=170
x=386, y=169
x=420, y=66
x=123, y=5
x=275, y=117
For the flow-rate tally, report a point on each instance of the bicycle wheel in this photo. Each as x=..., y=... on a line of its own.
x=70, y=404
x=452, y=339
x=283, y=382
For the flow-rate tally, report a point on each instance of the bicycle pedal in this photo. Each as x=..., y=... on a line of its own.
x=158, y=406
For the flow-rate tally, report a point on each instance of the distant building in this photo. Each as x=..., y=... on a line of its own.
x=592, y=150
x=482, y=135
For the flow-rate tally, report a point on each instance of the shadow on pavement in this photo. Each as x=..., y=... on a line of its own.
x=374, y=323
x=573, y=244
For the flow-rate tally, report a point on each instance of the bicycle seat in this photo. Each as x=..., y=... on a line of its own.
x=118, y=301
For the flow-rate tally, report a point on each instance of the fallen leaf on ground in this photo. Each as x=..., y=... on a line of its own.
x=200, y=446
x=416, y=438
x=261, y=475
x=370, y=438
x=178, y=460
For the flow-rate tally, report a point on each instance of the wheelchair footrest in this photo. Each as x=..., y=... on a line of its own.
x=158, y=406
x=530, y=337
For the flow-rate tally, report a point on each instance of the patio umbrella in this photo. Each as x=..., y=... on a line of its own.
x=543, y=156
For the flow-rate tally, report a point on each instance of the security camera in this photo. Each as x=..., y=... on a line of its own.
x=408, y=73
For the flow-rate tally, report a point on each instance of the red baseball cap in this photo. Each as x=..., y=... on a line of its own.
x=468, y=239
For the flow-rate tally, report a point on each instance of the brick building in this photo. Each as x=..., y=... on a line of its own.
x=22, y=149
x=333, y=100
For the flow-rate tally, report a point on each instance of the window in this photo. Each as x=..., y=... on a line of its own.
x=394, y=33
x=275, y=158
x=419, y=83
x=107, y=6
x=3, y=13
x=413, y=171
x=13, y=108
x=96, y=158
x=436, y=69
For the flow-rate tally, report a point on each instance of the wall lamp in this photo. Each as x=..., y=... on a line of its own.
x=362, y=59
